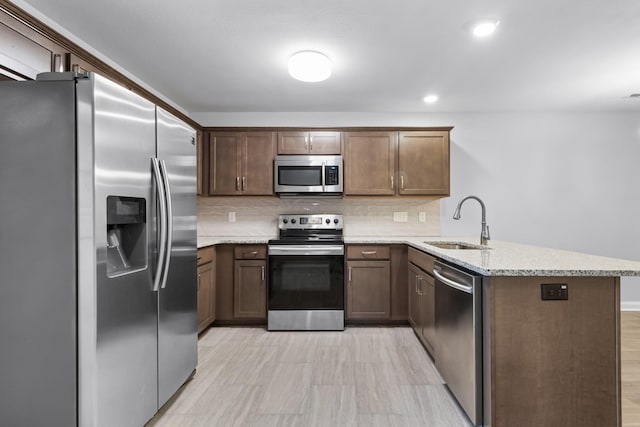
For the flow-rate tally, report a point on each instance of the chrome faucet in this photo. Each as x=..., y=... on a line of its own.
x=484, y=235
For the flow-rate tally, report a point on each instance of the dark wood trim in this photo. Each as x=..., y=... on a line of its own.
x=332, y=128
x=102, y=67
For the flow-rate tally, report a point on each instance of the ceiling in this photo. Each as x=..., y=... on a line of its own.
x=231, y=56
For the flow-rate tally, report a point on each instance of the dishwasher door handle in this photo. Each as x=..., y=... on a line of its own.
x=451, y=283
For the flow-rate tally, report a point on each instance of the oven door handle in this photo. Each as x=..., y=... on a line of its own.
x=307, y=250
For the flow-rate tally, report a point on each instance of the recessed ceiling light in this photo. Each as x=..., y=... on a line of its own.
x=484, y=28
x=430, y=99
x=309, y=66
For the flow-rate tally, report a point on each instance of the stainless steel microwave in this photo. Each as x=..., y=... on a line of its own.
x=307, y=176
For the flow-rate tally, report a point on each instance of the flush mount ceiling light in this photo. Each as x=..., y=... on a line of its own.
x=309, y=66
x=430, y=99
x=484, y=28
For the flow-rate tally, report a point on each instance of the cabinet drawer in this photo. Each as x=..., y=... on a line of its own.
x=250, y=252
x=205, y=255
x=422, y=260
x=367, y=252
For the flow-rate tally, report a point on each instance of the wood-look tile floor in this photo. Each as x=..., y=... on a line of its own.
x=364, y=376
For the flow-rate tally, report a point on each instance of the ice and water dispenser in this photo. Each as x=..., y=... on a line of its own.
x=126, y=235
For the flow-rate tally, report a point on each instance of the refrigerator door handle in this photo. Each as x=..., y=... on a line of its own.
x=169, y=222
x=162, y=219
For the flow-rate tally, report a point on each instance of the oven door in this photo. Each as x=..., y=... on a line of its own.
x=306, y=277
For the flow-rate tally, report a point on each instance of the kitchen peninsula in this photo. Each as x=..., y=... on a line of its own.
x=546, y=362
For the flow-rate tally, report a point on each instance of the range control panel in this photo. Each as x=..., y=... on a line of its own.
x=316, y=221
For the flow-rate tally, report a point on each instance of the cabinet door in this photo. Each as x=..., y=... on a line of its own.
x=257, y=168
x=423, y=163
x=293, y=142
x=225, y=153
x=224, y=283
x=250, y=290
x=415, y=299
x=399, y=300
x=427, y=288
x=368, y=290
x=205, y=275
x=370, y=162
x=325, y=143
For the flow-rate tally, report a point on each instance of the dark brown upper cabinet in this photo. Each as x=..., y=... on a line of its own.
x=312, y=142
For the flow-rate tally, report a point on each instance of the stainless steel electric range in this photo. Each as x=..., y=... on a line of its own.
x=306, y=274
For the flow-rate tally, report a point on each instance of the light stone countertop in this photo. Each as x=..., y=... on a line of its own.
x=514, y=259
x=204, y=241
x=501, y=259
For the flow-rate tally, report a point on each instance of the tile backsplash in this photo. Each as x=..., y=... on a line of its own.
x=363, y=216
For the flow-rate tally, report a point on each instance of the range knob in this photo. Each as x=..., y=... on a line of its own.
x=327, y=220
x=336, y=220
x=293, y=220
x=285, y=221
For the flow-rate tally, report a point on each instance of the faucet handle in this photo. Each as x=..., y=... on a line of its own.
x=488, y=236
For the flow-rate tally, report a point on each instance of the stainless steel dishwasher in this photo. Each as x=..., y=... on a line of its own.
x=459, y=336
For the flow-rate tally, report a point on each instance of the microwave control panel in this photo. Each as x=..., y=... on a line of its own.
x=331, y=174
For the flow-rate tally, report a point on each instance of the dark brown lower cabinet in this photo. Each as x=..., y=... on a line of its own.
x=206, y=287
x=552, y=363
x=422, y=298
x=376, y=283
x=241, y=284
x=369, y=289
x=250, y=289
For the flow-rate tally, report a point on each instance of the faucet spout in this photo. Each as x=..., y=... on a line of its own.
x=484, y=234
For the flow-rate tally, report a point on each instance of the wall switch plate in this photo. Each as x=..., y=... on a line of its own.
x=422, y=217
x=232, y=217
x=554, y=291
x=400, y=216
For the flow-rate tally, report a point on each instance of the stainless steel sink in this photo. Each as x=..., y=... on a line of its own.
x=456, y=245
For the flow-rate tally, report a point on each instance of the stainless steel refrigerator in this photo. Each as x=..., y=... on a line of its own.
x=98, y=322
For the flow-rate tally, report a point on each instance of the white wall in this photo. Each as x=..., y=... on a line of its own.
x=561, y=180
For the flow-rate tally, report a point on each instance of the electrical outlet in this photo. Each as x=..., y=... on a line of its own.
x=422, y=217
x=232, y=217
x=554, y=291
x=400, y=216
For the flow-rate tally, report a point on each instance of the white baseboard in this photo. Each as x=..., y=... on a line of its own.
x=629, y=305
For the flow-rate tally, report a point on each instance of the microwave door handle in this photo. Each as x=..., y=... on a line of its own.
x=323, y=177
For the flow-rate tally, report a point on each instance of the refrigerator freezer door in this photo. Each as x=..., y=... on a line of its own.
x=118, y=370
x=38, y=247
x=177, y=321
